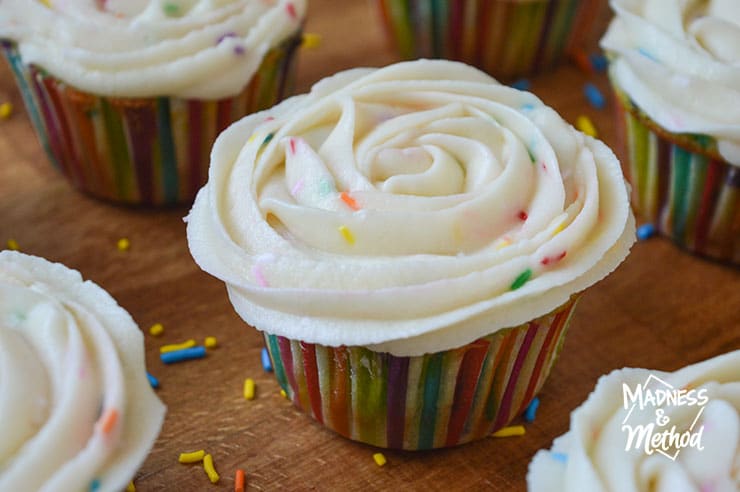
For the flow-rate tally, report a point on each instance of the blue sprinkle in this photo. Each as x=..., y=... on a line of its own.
x=598, y=61
x=182, y=355
x=266, y=362
x=645, y=231
x=94, y=485
x=521, y=84
x=531, y=412
x=527, y=107
x=154, y=382
x=594, y=96
x=561, y=457
x=647, y=54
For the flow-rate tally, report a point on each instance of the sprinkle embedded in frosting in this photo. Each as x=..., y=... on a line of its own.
x=454, y=212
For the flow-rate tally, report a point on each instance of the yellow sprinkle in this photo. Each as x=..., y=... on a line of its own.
x=249, y=389
x=584, y=124
x=210, y=342
x=6, y=109
x=156, y=329
x=251, y=138
x=177, y=346
x=46, y=2
x=559, y=228
x=283, y=393
x=347, y=234
x=514, y=430
x=130, y=487
x=379, y=459
x=123, y=244
x=502, y=243
x=192, y=457
x=310, y=40
x=13, y=245
x=210, y=470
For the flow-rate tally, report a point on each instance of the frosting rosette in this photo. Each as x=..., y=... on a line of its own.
x=699, y=403
x=680, y=63
x=76, y=410
x=408, y=209
x=203, y=49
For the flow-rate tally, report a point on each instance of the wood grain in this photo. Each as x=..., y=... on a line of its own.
x=661, y=309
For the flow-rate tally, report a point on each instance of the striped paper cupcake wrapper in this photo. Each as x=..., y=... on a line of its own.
x=503, y=37
x=147, y=151
x=681, y=185
x=423, y=402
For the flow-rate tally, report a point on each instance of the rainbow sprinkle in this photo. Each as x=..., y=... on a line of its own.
x=379, y=459
x=594, y=96
x=584, y=124
x=177, y=346
x=522, y=279
x=156, y=329
x=171, y=9
x=645, y=231
x=192, y=457
x=6, y=109
x=346, y=234
x=266, y=362
x=209, y=469
x=13, y=245
x=290, y=9
x=131, y=487
x=239, y=481
x=123, y=244
x=249, y=389
x=514, y=430
x=183, y=355
x=267, y=139
x=310, y=40
x=531, y=412
x=210, y=342
x=108, y=420
x=351, y=202
x=153, y=382
x=561, y=457
x=94, y=485
x=259, y=276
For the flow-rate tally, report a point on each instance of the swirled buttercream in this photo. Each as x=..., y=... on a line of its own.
x=679, y=61
x=205, y=49
x=412, y=209
x=76, y=409
x=591, y=456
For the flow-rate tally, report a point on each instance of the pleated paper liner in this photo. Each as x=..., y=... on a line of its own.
x=144, y=151
x=681, y=184
x=506, y=38
x=423, y=402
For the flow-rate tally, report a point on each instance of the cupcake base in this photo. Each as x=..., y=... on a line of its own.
x=422, y=402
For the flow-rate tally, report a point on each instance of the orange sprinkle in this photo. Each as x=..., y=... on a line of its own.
x=108, y=420
x=580, y=58
x=351, y=202
x=239, y=481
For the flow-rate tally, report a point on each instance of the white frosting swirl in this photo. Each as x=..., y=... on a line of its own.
x=76, y=407
x=591, y=456
x=679, y=61
x=205, y=49
x=396, y=208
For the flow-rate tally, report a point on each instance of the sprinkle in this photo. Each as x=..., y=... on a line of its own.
x=559, y=228
x=553, y=259
x=177, y=346
x=580, y=58
x=290, y=8
x=346, y=234
x=561, y=457
x=291, y=143
x=209, y=469
x=521, y=279
x=239, y=49
x=267, y=139
x=531, y=412
x=123, y=244
x=171, y=9
x=239, y=481
x=502, y=243
x=526, y=108
x=645, y=231
x=266, y=362
x=598, y=61
x=224, y=36
x=297, y=187
x=131, y=487
x=192, y=457
x=594, y=96
x=156, y=329
x=183, y=355
x=310, y=40
x=13, y=245
x=249, y=389
x=153, y=382
x=6, y=109
x=379, y=459
x=351, y=202
x=210, y=342
x=514, y=430
x=283, y=394
x=522, y=216
x=531, y=155
x=584, y=124
x=326, y=186
x=521, y=84
x=251, y=138
x=108, y=420
x=259, y=276
x=647, y=54
x=94, y=485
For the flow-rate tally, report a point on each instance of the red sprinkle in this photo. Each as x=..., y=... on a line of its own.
x=108, y=420
x=553, y=259
x=239, y=481
x=290, y=8
x=351, y=202
x=292, y=146
x=523, y=216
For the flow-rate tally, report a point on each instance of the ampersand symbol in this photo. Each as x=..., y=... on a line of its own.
x=661, y=419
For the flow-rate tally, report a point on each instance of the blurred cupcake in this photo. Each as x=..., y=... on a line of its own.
x=412, y=241
x=622, y=436
x=675, y=68
x=506, y=38
x=78, y=410
x=128, y=96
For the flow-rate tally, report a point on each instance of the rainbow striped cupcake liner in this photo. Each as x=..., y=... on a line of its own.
x=506, y=38
x=423, y=402
x=148, y=151
x=681, y=185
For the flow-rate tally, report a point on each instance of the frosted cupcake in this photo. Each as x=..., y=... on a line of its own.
x=506, y=38
x=78, y=411
x=676, y=73
x=128, y=96
x=591, y=456
x=411, y=241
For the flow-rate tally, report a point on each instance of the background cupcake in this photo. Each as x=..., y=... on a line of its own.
x=127, y=96
x=78, y=410
x=506, y=38
x=675, y=68
x=411, y=240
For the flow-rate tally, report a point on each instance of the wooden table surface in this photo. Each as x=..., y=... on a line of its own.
x=661, y=309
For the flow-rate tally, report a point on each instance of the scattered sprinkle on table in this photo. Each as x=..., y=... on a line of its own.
x=239, y=481
x=6, y=109
x=379, y=459
x=514, y=430
x=594, y=96
x=183, y=355
x=582, y=61
x=123, y=244
x=266, y=362
x=192, y=456
x=645, y=231
x=153, y=382
x=209, y=469
x=283, y=394
x=249, y=389
x=521, y=84
x=131, y=487
x=156, y=329
x=177, y=346
x=598, y=61
x=13, y=245
x=310, y=40
x=584, y=124
x=531, y=412
x=210, y=342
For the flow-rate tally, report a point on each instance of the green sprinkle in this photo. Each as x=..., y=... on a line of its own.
x=171, y=9
x=267, y=139
x=326, y=186
x=531, y=155
x=522, y=279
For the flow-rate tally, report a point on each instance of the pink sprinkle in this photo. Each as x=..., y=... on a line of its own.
x=523, y=216
x=544, y=167
x=259, y=276
x=269, y=118
x=707, y=487
x=239, y=49
x=292, y=146
x=553, y=259
x=290, y=8
x=297, y=187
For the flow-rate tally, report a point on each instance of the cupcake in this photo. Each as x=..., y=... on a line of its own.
x=645, y=430
x=411, y=241
x=78, y=411
x=506, y=38
x=675, y=69
x=128, y=96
